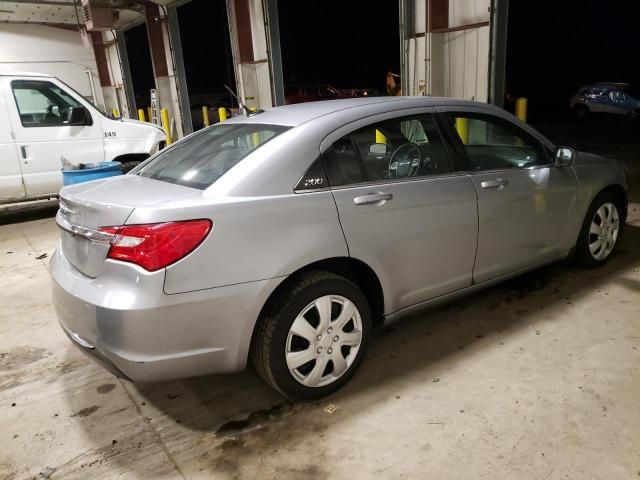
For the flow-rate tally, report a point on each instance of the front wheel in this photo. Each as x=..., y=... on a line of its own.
x=600, y=231
x=314, y=336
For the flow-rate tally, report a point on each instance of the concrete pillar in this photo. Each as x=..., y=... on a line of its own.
x=250, y=53
x=104, y=75
x=161, y=56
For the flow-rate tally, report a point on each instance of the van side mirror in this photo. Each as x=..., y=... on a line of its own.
x=564, y=156
x=78, y=116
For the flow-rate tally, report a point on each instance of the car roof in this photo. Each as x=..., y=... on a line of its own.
x=23, y=74
x=610, y=85
x=299, y=113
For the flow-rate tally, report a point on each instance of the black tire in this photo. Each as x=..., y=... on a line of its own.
x=581, y=111
x=583, y=256
x=270, y=337
x=129, y=165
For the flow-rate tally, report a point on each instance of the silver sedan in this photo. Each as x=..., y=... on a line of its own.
x=283, y=238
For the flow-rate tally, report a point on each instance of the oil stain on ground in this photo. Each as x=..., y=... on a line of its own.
x=254, y=420
x=85, y=412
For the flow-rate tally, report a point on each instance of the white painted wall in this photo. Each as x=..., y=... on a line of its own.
x=50, y=50
x=454, y=64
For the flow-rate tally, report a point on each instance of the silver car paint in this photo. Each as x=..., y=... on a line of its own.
x=197, y=315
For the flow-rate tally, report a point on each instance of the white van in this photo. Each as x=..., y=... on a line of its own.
x=44, y=124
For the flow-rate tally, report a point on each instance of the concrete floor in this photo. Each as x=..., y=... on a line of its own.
x=538, y=378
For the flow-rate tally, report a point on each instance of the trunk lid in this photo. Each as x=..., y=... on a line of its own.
x=86, y=207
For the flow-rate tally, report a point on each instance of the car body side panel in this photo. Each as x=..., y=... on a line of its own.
x=252, y=238
x=526, y=222
x=594, y=173
x=421, y=244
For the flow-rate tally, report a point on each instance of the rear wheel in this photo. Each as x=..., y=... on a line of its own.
x=600, y=231
x=314, y=336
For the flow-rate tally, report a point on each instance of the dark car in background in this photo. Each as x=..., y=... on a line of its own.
x=614, y=98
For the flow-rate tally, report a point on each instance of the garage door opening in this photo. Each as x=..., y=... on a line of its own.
x=140, y=65
x=582, y=42
x=335, y=48
x=208, y=62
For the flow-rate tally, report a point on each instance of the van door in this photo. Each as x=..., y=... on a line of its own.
x=11, y=186
x=39, y=110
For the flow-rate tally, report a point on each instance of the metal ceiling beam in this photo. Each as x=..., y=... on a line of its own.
x=65, y=26
x=41, y=2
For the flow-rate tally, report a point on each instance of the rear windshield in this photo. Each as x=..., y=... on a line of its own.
x=198, y=161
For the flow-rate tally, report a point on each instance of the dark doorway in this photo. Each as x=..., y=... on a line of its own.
x=140, y=65
x=554, y=48
x=208, y=61
x=350, y=45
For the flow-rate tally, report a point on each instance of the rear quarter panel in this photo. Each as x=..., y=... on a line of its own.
x=253, y=238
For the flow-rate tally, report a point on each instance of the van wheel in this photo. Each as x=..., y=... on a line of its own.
x=129, y=165
x=314, y=337
x=600, y=231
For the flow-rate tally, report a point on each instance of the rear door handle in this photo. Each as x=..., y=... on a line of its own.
x=498, y=183
x=373, y=199
x=23, y=150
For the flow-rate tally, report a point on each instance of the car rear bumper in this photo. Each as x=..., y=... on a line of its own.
x=129, y=326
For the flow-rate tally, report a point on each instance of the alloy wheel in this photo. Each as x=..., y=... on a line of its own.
x=323, y=341
x=603, y=231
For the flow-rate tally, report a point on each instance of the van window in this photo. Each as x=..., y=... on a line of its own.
x=41, y=103
x=200, y=159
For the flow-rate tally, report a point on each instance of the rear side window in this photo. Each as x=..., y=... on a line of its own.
x=399, y=148
x=41, y=103
x=199, y=160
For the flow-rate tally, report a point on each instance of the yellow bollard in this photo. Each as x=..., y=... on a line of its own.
x=380, y=138
x=222, y=114
x=205, y=116
x=462, y=126
x=115, y=113
x=255, y=137
x=521, y=108
x=166, y=125
x=141, y=115
x=149, y=114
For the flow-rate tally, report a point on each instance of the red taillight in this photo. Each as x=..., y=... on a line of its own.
x=156, y=245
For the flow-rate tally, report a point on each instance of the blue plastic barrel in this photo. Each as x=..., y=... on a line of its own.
x=92, y=171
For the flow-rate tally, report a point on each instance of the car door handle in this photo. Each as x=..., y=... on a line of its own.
x=373, y=199
x=498, y=183
x=23, y=150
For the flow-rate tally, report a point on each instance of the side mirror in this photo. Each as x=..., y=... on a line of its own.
x=78, y=116
x=378, y=149
x=564, y=156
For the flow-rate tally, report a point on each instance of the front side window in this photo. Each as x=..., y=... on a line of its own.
x=492, y=143
x=199, y=160
x=41, y=104
x=399, y=148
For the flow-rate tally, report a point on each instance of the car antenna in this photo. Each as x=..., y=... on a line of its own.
x=248, y=112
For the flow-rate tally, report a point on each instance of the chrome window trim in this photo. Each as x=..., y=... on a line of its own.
x=393, y=181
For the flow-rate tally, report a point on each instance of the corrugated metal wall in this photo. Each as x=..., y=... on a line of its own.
x=450, y=63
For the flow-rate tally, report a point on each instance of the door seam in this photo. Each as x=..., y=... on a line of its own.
x=475, y=256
